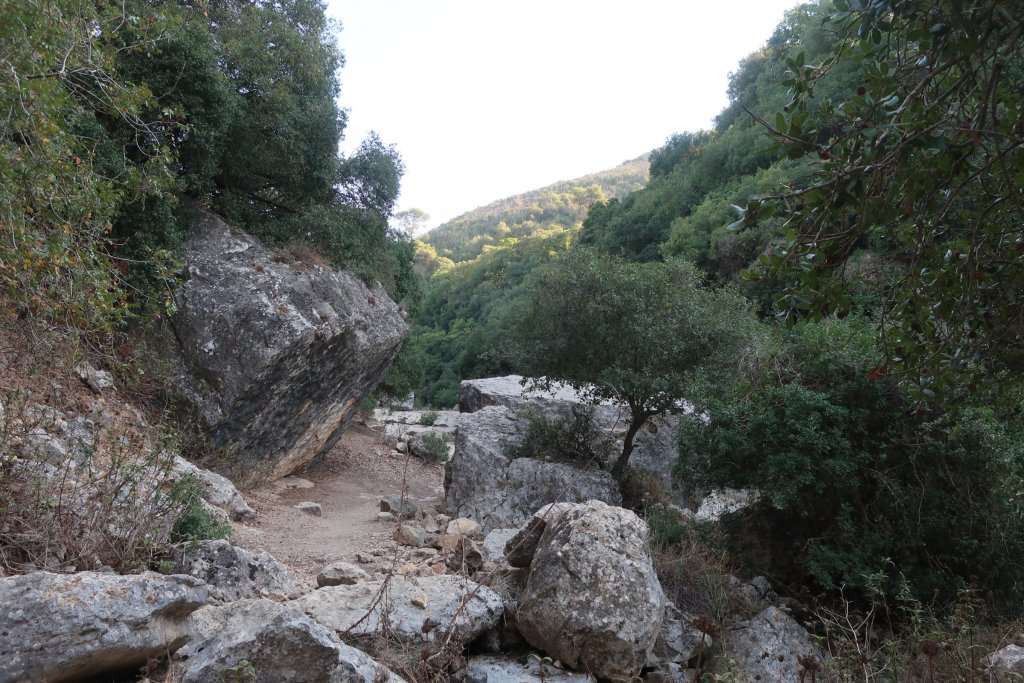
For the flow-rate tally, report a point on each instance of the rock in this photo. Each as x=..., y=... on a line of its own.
x=725, y=501
x=310, y=508
x=411, y=535
x=775, y=632
x=507, y=669
x=340, y=574
x=274, y=356
x=592, y=599
x=293, y=482
x=402, y=446
x=215, y=489
x=519, y=549
x=1006, y=664
x=463, y=527
x=279, y=643
x=446, y=541
x=385, y=517
x=97, y=380
x=341, y=607
x=655, y=448
x=483, y=484
x=671, y=673
x=466, y=555
x=678, y=641
x=234, y=573
x=403, y=509
x=69, y=627
x=494, y=544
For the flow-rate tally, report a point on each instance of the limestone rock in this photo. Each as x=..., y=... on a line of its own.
x=341, y=607
x=69, y=627
x=483, y=484
x=234, y=573
x=463, y=527
x=310, y=508
x=722, y=502
x=275, y=355
x=215, y=489
x=593, y=600
x=494, y=543
x=521, y=547
x=340, y=574
x=655, y=448
x=411, y=535
x=1006, y=664
x=777, y=633
x=678, y=641
x=97, y=380
x=280, y=644
x=507, y=669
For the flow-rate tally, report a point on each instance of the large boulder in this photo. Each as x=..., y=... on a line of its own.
x=70, y=627
x=482, y=483
x=276, y=354
x=416, y=611
x=593, y=600
x=790, y=652
x=234, y=573
x=266, y=642
x=655, y=448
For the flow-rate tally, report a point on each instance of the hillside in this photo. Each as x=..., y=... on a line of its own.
x=564, y=203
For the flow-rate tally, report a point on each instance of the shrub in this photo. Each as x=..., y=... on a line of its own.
x=196, y=522
x=428, y=418
x=573, y=439
x=853, y=473
x=435, y=447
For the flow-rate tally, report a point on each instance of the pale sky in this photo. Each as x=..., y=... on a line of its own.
x=488, y=99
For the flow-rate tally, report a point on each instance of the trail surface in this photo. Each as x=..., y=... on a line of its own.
x=348, y=484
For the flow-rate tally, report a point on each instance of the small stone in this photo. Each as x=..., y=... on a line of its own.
x=402, y=446
x=97, y=380
x=445, y=541
x=419, y=601
x=291, y=482
x=463, y=526
x=385, y=517
x=364, y=558
x=423, y=553
x=406, y=569
x=311, y=508
x=437, y=569
x=399, y=508
x=411, y=535
x=340, y=574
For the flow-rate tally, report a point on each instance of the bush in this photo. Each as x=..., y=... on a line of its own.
x=435, y=447
x=196, y=522
x=428, y=418
x=854, y=474
x=574, y=439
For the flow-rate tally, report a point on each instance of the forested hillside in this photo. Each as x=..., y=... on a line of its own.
x=862, y=186
x=476, y=265
x=561, y=204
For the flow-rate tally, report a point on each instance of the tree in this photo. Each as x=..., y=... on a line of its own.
x=629, y=332
x=412, y=222
x=923, y=162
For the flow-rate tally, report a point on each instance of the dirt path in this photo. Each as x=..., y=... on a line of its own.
x=348, y=484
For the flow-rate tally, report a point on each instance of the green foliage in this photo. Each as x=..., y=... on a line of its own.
x=436, y=447
x=195, y=523
x=572, y=438
x=428, y=418
x=628, y=332
x=853, y=476
x=922, y=161
x=563, y=204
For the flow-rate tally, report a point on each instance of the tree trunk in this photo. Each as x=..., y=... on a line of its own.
x=619, y=469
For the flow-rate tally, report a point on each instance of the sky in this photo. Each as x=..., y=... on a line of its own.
x=487, y=99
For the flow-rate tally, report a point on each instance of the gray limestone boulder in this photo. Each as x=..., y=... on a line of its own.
x=655, y=448
x=1006, y=664
x=261, y=641
x=234, y=573
x=216, y=490
x=494, y=544
x=482, y=483
x=525, y=669
x=340, y=574
x=593, y=600
x=774, y=632
x=275, y=354
x=70, y=627
x=417, y=611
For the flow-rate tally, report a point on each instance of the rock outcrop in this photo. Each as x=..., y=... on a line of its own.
x=655, y=448
x=60, y=627
x=788, y=646
x=482, y=483
x=266, y=642
x=592, y=599
x=417, y=611
x=234, y=573
x=506, y=669
x=276, y=354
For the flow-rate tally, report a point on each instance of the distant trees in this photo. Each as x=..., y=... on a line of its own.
x=628, y=332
